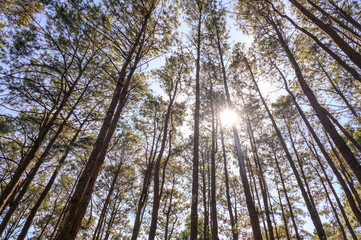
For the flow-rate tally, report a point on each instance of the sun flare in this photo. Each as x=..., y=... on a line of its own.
x=228, y=118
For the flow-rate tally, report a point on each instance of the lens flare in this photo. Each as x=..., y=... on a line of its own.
x=228, y=118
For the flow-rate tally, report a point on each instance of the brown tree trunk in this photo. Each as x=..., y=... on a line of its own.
x=257, y=234
x=331, y=204
x=214, y=224
x=229, y=204
x=261, y=179
x=168, y=211
x=204, y=192
x=321, y=113
x=82, y=194
x=301, y=166
x=194, y=201
x=354, y=56
x=342, y=96
x=346, y=16
x=313, y=211
x=287, y=198
x=254, y=192
x=14, y=205
x=29, y=157
x=156, y=190
x=98, y=229
x=317, y=157
x=348, y=194
x=47, y=188
x=338, y=59
x=344, y=131
x=285, y=223
x=335, y=20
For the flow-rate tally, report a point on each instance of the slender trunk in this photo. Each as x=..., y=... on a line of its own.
x=167, y=213
x=285, y=223
x=321, y=113
x=33, y=172
x=301, y=166
x=287, y=198
x=313, y=211
x=98, y=229
x=317, y=157
x=331, y=204
x=82, y=194
x=47, y=188
x=156, y=191
x=48, y=220
x=113, y=214
x=335, y=20
x=261, y=178
x=229, y=204
x=256, y=229
x=142, y=201
x=214, y=226
x=342, y=96
x=205, y=207
x=273, y=217
x=255, y=192
x=354, y=56
x=43, y=132
x=194, y=201
x=29, y=179
x=346, y=16
x=344, y=131
x=337, y=58
x=348, y=194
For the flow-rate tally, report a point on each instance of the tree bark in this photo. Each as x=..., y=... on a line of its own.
x=348, y=194
x=82, y=194
x=313, y=212
x=337, y=58
x=354, y=56
x=229, y=204
x=156, y=191
x=321, y=113
x=194, y=201
x=261, y=179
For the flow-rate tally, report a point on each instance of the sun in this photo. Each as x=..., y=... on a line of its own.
x=228, y=117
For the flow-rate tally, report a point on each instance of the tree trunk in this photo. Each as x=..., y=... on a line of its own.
x=82, y=194
x=320, y=111
x=167, y=213
x=214, y=226
x=47, y=188
x=261, y=179
x=287, y=198
x=229, y=204
x=314, y=153
x=346, y=16
x=344, y=46
x=257, y=234
x=156, y=190
x=331, y=204
x=335, y=20
x=301, y=166
x=348, y=194
x=283, y=214
x=338, y=59
x=194, y=201
x=342, y=96
x=255, y=192
x=29, y=157
x=313, y=211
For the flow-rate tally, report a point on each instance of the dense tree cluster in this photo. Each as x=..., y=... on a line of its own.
x=113, y=125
